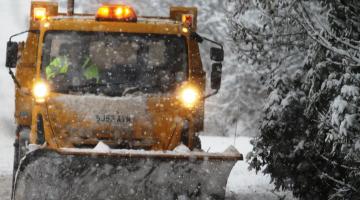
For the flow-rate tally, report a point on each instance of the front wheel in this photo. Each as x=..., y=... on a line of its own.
x=185, y=140
x=40, y=130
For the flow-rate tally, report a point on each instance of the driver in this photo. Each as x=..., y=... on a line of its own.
x=71, y=67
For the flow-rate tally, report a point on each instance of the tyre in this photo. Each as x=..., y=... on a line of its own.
x=40, y=130
x=185, y=139
x=197, y=142
x=16, y=160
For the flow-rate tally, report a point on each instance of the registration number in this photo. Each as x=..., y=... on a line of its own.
x=121, y=119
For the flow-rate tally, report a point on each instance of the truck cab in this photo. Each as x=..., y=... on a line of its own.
x=109, y=104
x=128, y=81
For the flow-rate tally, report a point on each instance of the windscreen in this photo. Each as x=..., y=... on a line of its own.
x=113, y=64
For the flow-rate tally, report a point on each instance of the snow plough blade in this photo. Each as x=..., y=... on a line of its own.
x=122, y=174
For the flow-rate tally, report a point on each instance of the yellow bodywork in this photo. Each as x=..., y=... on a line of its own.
x=160, y=125
x=69, y=124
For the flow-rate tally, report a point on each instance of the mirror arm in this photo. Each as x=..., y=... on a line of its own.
x=14, y=79
x=211, y=94
x=17, y=34
x=214, y=42
x=200, y=39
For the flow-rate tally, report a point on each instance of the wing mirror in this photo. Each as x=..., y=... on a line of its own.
x=217, y=54
x=12, y=54
x=216, y=76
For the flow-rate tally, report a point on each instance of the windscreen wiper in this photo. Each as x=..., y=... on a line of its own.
x=126, y=90
x=130, y=90
x=87, y=85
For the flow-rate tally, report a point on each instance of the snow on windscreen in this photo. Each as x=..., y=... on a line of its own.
x=111, y=63
x=89, y=105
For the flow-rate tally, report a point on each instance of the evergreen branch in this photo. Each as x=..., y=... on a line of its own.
x=320, y=39
x=335, y=37
x=335, y=163
x=323, y=174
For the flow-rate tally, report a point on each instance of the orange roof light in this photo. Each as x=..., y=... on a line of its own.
x=39, y=13
x=188, y=20
x=116, y=13
x=122, y=12
x=119, y=11
x=103, y=11
x=127, y=11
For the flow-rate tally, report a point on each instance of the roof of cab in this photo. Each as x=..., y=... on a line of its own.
x=150, y=25
x=141, y=19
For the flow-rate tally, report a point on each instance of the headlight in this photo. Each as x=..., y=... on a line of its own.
x=40, y=91
x=189, y=96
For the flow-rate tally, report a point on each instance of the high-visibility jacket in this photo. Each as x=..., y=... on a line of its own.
x=90, y=70
x=60, y=65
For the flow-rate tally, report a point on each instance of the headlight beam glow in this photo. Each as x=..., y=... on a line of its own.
x=40, y=92
x=190, y=97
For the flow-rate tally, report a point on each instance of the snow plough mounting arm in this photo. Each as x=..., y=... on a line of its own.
x=70, y=7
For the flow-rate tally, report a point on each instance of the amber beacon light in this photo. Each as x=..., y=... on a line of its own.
x=39, y=13
x=188, y=20
x=120, y=13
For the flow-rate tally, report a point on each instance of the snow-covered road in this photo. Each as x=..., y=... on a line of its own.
x=5, y=186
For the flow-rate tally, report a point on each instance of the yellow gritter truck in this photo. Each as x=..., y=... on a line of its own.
x=109, y=105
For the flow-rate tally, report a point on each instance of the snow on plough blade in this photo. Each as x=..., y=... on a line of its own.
x=128, y=174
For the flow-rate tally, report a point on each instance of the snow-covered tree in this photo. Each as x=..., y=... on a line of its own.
x=269, y=43
x=310, y=133
x=269, y=38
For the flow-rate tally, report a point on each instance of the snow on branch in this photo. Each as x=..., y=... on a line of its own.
x=317, y=32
